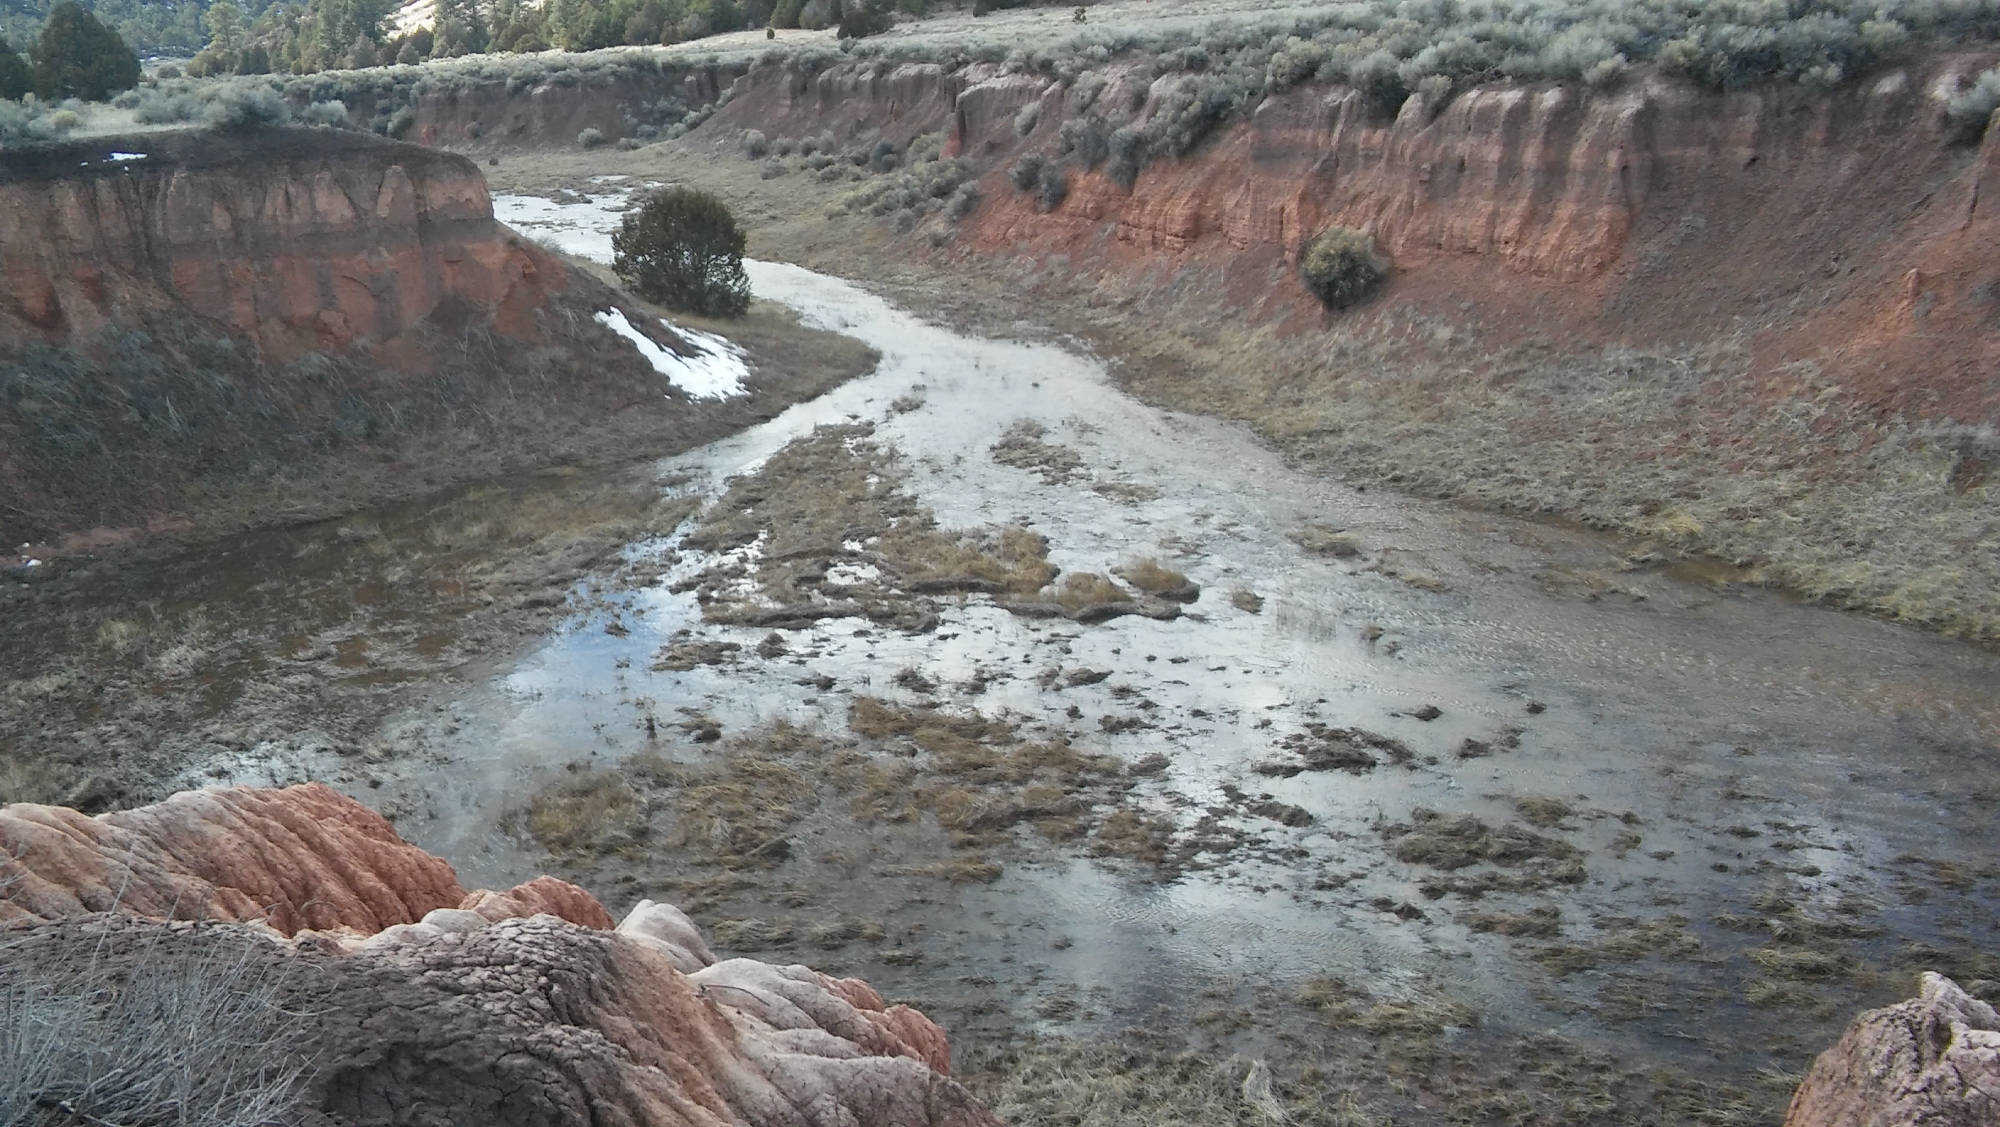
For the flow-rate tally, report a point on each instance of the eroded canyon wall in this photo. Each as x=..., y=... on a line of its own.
x=296, y=240
x=1848, y=229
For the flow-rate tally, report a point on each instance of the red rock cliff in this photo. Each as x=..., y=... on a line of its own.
x=298, y=240
x=1844, y=228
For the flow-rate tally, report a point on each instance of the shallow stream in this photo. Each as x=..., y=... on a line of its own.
x=1710, y=746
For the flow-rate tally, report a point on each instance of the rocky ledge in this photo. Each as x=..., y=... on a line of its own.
x=1932, y=1061
x=372, y=988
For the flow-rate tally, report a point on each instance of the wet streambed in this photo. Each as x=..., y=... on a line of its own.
x=1710, y=756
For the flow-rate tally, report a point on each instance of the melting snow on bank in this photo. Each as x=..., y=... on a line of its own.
x=715, y=371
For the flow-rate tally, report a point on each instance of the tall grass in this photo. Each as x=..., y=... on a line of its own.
x=191, y=1028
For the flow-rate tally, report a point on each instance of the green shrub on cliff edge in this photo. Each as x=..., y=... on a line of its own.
x=1341, y=267
x=683, y=249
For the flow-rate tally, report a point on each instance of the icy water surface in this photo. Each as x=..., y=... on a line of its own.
x=1710, y=747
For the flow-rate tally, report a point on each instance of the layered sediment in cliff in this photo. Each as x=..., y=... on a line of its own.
x=295, y=240
x=205, y=330
x=1844, y=229
x=425, y=1003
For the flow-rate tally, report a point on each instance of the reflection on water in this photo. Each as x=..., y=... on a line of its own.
x=1754, y=743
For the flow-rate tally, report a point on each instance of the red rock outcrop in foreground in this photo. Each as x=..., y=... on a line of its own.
x=440, y=1005
x=297, y=239
x=1933, y=1061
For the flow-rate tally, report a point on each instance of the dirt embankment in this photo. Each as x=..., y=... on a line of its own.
x=1842, y=229
x=203, y=331
x=295, y=241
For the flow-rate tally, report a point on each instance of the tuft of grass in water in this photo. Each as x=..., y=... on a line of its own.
x=1543, y=921
x=1081, y=590
x=1024, y=446
x=751, y=934
x=592, y=813
x=1156, y=579
x=1542, y=811
x=1134, y=835
x=1325, y=540
x=1444, y=842
x=1624, y=940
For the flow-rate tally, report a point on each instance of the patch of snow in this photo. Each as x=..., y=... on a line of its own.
x=583, y=229
x=120, y=158
x=715, y=371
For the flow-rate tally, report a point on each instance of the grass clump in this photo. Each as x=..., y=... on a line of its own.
x=1112, y=1083
x=1341, y=267
x=1324, y=540
x=1624, y=940
x=1025, y=446
x=1543, y=921
x=588, y=814
x=1518, y=858
x=1156, y=579
x=1542, y=812
x=740, y=809
x=1081, y=591
x=1134, y=835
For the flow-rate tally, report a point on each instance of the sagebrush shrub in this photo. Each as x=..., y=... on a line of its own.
x=683, y=249
x=1341, y=267
x=246, y=108
x=1027, y=172
x=1053, y=186
x=1969, y=111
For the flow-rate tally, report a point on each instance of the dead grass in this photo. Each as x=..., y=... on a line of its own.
x=1623, y=939
x=1543, y=921
x=1134, y=835
x=1024, y=447
x=1155, y=579
x=817, y=498
x=1012, y=560
x=1325, y=540
x=739, y=808
x=1541, y=811
x=1082, y=591
x=980, y=778
x=586, y=814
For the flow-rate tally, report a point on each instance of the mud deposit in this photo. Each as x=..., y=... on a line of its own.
x=1061, y=716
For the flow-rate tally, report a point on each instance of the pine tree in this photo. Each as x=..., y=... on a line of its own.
x=78, y=57
x=683, y=249
x=225, y=25
x=16, y=79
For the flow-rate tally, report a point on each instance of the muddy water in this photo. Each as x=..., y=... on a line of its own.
x=1750, y=745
